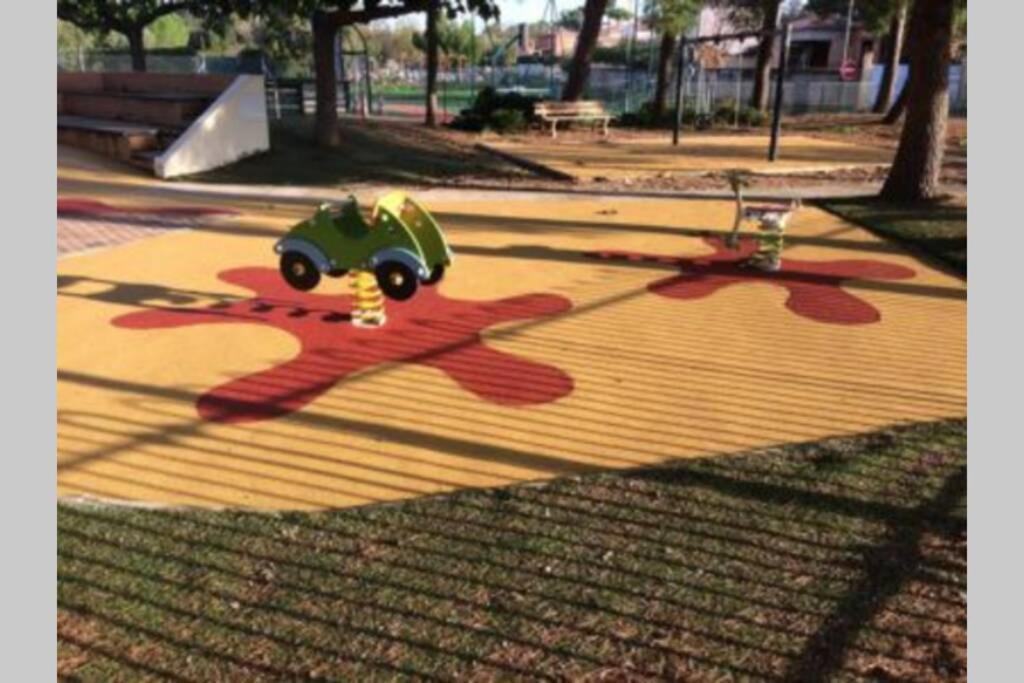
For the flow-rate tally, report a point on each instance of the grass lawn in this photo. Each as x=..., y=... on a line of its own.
x=370, y=152
x=838, y=559
x=937, y=229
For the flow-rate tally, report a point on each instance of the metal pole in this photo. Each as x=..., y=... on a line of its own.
x=631, y=49
x=773, y=148
x=846, y=37
x=739, y=94
x=679, y=90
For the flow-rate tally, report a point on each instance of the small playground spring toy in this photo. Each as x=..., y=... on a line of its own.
x=771, y=219
x=368, y=302
x=402, y=245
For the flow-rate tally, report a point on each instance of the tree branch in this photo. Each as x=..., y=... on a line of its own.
x=345, y=17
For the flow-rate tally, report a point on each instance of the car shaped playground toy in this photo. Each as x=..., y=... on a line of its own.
x=402, y=245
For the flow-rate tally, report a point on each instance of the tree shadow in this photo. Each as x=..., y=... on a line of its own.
x=760, y=565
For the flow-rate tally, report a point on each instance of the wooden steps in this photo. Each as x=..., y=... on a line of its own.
x=117, y=139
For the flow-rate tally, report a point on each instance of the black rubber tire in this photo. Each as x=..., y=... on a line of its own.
x=396, y=280
x=435, y=275
x=299, y=271
x=337, y=272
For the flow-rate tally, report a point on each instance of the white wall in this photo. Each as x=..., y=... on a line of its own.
x=234, y=126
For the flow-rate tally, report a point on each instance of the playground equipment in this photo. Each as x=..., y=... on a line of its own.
x=688, y=45
x=771, y=220
x=357, y=90
x=368, y=302
x=402, y=245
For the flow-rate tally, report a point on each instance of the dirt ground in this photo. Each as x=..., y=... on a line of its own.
x=864, y=129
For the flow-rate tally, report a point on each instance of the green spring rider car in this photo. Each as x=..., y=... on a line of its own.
x=402, y=245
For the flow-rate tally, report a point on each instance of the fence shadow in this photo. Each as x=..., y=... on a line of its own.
x=843, y=558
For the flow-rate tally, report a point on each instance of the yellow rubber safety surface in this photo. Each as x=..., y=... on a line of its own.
x=628, y=376
x=614, y=159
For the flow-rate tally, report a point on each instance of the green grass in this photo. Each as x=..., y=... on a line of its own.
x=838, y=559
x=369, y=152
x=938, y=229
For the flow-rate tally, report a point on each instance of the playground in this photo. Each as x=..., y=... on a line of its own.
x=467, y=353
x=569, y=330
x=615, y=413
x=603, y=444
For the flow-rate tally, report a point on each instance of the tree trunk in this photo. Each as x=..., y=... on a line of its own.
x=579, y=70
x=668, y=43
x=137, y=47
x=914, y=175
x=765, y=50
x=894, y=43
x=433, y=50
x=324, y=31
x=900, y=105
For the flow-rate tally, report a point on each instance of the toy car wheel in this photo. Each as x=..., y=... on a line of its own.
x=299, y=271
x=435, y=275
x=396, y=280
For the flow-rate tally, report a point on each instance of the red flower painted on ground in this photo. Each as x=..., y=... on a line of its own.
x=429, y=329
x=815, y=287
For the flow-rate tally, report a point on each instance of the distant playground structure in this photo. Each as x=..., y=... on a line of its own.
x=168, y=124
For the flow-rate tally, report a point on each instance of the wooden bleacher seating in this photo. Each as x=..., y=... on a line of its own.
x=131, y=116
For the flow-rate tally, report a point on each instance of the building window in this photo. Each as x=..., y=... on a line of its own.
x=809, y=54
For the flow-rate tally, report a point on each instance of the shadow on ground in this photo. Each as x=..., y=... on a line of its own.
x=843, y=558
x=369, y=152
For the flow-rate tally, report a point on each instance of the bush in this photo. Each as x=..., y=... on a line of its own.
x=507, y=121
x=725, y=112
x=723, y=115
x=645, y=117
x=501, y=112
x=750, y=116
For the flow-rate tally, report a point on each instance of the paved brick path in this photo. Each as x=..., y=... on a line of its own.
x=82, y=234
x=84, y=230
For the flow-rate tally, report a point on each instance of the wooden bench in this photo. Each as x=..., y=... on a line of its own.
x=554, y=112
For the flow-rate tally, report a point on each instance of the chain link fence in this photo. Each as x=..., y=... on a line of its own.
x=397, y=90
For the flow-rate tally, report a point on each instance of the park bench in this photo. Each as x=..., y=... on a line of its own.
x=554, y=112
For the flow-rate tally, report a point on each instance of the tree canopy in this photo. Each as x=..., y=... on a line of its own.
x=673, y=16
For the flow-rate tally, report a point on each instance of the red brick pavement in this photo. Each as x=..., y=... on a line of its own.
x=81, y=231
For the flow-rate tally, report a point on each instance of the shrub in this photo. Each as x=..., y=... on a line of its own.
x=507, y=121
x=750, y=116
x=725, y=112
x=501, y=112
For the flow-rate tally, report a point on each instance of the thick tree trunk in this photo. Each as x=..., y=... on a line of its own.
x=668, y=43
x=137, y=47
x=894, y=44
x=324, y=31
x=914, y=175
x=433, y=50
x=900, y=105
x=765, y=51
x=579, y=70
